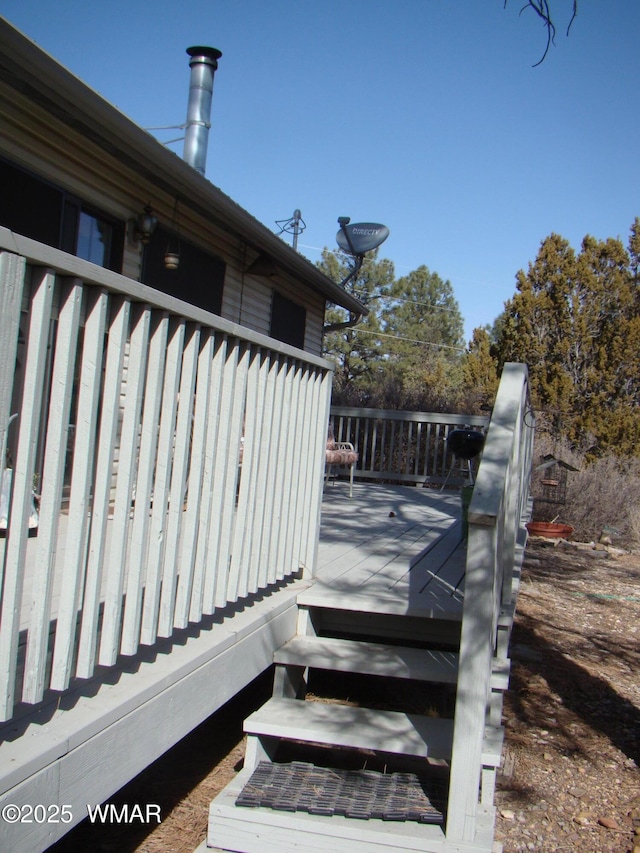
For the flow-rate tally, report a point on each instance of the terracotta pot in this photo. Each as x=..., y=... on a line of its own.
x=549, y=529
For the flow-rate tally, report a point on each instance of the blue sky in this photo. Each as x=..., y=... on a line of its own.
x=425, y=115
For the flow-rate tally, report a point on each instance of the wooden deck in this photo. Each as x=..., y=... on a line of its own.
x=395, y=550
x=389, y=555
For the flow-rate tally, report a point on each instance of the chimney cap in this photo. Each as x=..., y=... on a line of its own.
x=208, y=52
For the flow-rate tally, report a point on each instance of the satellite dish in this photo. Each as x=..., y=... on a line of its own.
x=361, y=237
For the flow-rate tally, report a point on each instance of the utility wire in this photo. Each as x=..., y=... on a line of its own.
x=359, y=331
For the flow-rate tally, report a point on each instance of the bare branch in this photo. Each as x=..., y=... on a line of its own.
x=543, y=11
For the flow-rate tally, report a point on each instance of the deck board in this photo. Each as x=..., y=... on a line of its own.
x=390, y=550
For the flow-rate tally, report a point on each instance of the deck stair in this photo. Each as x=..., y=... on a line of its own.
x=380, y=643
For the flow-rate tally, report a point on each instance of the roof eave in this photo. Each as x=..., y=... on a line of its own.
x=27, y=67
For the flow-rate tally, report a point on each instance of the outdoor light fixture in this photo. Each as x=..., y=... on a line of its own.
x=144, y=225
x=172, y=253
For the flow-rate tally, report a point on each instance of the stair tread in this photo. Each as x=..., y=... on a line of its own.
x=369, y=658
x=390, y=602
x=364, y=728
x=348, y=726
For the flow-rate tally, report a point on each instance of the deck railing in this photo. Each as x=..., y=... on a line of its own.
x=499, y=507
x=178, y=461
x=400, y=446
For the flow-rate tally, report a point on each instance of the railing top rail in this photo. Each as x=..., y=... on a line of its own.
x=39, y=254
x=511, y=405
x=405, y=415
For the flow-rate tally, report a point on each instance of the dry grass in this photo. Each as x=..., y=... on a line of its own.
x=602, y=496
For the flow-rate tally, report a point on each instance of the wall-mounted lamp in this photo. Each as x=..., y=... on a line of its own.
x=144, y=225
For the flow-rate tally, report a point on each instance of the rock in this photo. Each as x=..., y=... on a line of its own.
x=583, y=818
x=609, y=822
x=577, y=792
x=507, y=814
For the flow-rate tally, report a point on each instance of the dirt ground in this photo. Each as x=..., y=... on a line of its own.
x=570, y=779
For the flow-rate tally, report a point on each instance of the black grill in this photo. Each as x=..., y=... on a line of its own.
x=465, y=443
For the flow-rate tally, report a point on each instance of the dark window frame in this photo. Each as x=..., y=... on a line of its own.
x=60, y=214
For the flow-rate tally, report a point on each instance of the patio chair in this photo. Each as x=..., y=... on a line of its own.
x=340, y=453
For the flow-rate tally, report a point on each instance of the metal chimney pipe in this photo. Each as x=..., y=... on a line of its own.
x=203, y=64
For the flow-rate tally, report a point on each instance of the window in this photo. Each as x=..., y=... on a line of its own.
x=199, y=278
x=32, y=206
x=94, y=239
x=288, y=321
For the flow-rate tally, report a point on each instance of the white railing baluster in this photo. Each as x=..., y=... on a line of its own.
x=12, y=276
x=277, y=450
x=257, y=570
x=22, y=486
x=204, y=569
x=147, y=443
x=258, y=446
x=174, y=518
x=127, y=459
x=195, y=480
x=302, y=460
x=111, y=395
x=290, y=472
x=72, y=578
x=257, y=567
x=316, y=467
x=55, y=458
x=281, y=498
x=227, y=584
x=161, y=482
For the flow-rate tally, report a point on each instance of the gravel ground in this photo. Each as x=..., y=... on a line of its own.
x=570, y=778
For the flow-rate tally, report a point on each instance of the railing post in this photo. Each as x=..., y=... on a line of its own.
x=494, y=518
x=476, y=649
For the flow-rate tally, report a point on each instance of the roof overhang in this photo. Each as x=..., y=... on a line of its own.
x=30, y=70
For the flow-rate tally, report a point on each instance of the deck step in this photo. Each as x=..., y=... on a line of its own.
x=356, y=728
x=369, y=659
x=384, y=602
x=263, y=830
x=364, y=728
x=330, y=653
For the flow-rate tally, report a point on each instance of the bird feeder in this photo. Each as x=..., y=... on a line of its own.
x=551, y=483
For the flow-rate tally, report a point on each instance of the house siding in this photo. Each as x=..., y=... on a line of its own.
x=35, y=140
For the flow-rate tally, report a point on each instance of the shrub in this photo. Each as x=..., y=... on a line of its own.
x=602, y=496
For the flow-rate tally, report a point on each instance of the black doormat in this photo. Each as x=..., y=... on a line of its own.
x=363, y=794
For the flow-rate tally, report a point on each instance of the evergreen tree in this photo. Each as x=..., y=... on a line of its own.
x=479, y=372
x=423, y=321
x=575, y=320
